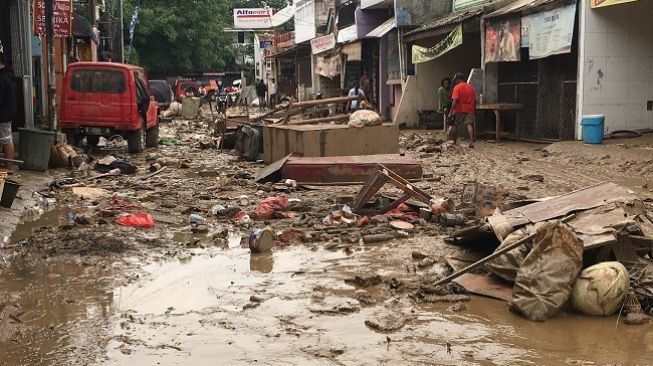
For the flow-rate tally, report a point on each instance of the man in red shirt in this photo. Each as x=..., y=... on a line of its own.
x=463, y=108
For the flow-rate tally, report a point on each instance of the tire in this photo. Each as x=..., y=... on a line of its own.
x=152, y=136
x=92, y=140
x=72, y=137
x=136, y=140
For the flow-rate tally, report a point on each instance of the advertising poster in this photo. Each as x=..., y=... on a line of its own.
x=602, y=3
x=254, y=18
x=550, y=32
x=503, y=40
x=453, y=40
x=62, y=17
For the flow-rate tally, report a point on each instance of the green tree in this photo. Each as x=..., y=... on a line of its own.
x=176, y=37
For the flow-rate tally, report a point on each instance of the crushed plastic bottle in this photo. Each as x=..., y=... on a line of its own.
x=195, y=218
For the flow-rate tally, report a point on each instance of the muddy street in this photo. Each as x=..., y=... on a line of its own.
x=77, y=288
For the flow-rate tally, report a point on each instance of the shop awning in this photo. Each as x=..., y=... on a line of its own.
x=282, y=16
x=383, y=29
x=448, y=21
x=521, y=6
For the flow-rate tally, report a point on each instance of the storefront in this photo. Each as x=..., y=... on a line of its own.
x=530, y=57
x=437, y=50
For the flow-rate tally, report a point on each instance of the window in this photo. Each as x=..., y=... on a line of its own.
x=98, y=81
x=241, y=37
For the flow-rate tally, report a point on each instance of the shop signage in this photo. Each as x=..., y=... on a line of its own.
x=324, y=43
x=602, y=3
x=266, y=43
x=285, y=40
x=503, y=39
x=550, y=32
x=453, y=40
x=61, y=18
x=254, y=18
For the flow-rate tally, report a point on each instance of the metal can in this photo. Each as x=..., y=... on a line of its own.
x=261, y=240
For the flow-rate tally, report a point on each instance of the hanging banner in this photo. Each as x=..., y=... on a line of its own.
x=602, y=3
x=551, y=32
x=329, y=67
x=61, y=17
x=256, y=18
x=324, y=43
x=453, y=40
x=502, y=40
x=354, y=51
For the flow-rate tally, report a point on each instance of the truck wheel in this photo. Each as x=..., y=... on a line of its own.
x=152, y=136
x=72, y=137
x=92, y=140
x=136, y=140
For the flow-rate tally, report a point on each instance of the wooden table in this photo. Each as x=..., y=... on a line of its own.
x=497, y=108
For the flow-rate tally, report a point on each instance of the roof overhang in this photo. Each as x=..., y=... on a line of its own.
x=443, y=25
x=383, y=29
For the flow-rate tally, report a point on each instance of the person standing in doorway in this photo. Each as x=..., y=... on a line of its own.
x=356, y=91
x=261, y=90
x=366, y=85
x=444, y=96
x=7, y=108
x=463, y=108
x=273, y=93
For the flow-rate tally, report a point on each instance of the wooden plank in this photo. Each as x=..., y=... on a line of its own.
x=583, y=199
x=485, y=286
x=335, y=118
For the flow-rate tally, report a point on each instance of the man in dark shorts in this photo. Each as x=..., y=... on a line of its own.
x=7, y=108
x=463, y=108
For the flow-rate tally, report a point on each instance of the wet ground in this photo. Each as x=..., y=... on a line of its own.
x=109, y=295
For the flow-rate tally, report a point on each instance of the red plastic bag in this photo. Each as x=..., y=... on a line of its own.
x=142, y=219
x=269, y=206
x=403, y=212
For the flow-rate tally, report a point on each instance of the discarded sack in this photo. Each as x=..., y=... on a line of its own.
x=601, y=289
x=365, y=118
x=545, y=278
x=116, y=163
x=142, y=220
x=507, y=265
x=270, y=206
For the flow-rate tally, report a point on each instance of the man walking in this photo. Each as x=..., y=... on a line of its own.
x=7, y=108
x=261, y=90
x=273, y=94
x=463, y=108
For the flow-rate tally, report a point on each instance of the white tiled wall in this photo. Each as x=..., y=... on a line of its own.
x=617, y=64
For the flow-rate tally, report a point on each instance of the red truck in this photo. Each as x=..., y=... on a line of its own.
x=106, y=99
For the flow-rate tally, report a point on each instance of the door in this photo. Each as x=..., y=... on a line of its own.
x=98, y=97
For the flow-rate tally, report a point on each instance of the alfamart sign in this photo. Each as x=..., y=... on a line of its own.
x=253, y=18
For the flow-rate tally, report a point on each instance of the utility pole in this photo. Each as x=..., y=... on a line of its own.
x=49, y=36
x=122, y=35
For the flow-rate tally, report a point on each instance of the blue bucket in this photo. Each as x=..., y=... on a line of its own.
x=593, y=127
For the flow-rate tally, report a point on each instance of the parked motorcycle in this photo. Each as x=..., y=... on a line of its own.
x=222, y=101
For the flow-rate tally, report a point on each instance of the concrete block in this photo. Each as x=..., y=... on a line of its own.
x=328, y=140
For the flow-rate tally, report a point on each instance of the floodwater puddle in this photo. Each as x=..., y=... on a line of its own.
x=27, y=226
x=244, y=308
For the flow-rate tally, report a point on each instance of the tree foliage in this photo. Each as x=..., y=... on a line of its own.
x=186, y=36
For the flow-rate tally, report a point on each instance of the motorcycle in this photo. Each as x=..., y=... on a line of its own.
x=222, y=101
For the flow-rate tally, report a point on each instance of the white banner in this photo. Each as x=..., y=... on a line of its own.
x=254, y=18
x=324, y=43
x=550, y=32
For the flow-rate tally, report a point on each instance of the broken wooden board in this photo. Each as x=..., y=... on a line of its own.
x=580, y=200
x=484, y=285
x=462, y=260
x=339, y=169
x=268, y=172
x=598, y=227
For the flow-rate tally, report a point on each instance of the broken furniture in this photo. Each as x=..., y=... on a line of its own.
x=347, y=169
x=382, y=176
x=280, y=141
x=498, y=108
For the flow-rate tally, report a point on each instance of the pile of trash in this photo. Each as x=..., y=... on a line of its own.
x=590, y=250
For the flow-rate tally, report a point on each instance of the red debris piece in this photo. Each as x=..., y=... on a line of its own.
x=142, y=220
x=269, y=206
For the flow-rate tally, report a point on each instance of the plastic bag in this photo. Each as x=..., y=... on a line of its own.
x=544, y=280
x=269, y=206
x=142, y=220
x=601, y=289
